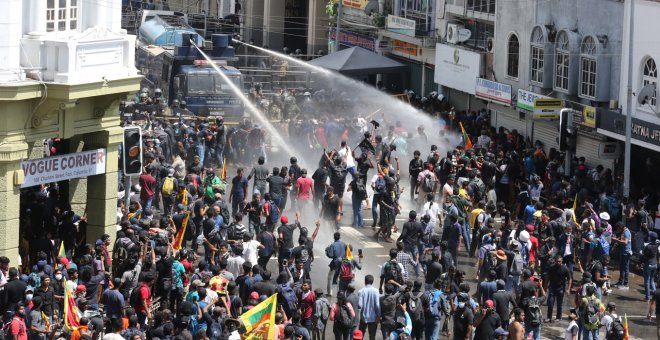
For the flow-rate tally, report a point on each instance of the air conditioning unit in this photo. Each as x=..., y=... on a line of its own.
x=452, y=33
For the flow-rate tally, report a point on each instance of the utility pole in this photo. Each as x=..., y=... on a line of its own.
x=629, y=104
x=340, y=10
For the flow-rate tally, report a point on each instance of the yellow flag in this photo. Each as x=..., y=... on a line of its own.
x=575, y=209
x=349, y=253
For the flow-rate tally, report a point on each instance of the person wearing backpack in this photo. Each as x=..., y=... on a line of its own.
x=427, y=184
x=533, y=315
x=321, y=315
x=415, y=166
x=590, y=314
x=650, y=258
x=168, y=190
x=612, y=324
x=487, y=258
x=415, y=309
x=435, y=306
x=342, y=315
x=335, y=251
x=359, y=194
x=347, y=271
x=392, y=270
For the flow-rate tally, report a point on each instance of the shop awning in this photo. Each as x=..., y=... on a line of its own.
x=358, y=61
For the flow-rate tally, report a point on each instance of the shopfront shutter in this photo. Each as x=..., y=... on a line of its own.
x=509, y=119
x=588, y=148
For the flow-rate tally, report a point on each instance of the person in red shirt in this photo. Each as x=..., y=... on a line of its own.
x=148, y=185
x=306, y=300
x=534, y=241
x=17, y=328
x=305, y=190
x=142, y=310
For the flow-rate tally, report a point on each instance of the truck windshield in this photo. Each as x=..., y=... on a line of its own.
x=211, y=84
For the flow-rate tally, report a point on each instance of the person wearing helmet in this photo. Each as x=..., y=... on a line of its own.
x=158, y=93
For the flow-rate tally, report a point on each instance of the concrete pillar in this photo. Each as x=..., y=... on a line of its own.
x=11, y=26
x=11, y=155
x=274, y=24
x=102, y=189
x=316, y=30
x=77, y=186
x=254, y=22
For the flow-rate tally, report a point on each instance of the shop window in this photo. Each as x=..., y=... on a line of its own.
x=536, y=53
x=562, y=62
x=588, y=68
x=61, y=15
x=650, y=76
x=513, y=56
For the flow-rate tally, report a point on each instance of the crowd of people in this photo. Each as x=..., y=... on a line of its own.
x=196, y=247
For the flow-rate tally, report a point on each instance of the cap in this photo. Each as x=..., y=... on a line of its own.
x=318, y=292
x=611, y=305
x=170, y=172
x=180, y=206
x=530, y=228
x=357, y=334
x=653, y=236
x=586, y=277
x=81, y=288
x=501, y=331
x=284, y=219
x=29, y=289
x=490, y=304
x=604, y=216
x=254, y=295
x=198, y=283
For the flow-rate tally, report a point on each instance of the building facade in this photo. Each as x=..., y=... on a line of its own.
x=65, y=67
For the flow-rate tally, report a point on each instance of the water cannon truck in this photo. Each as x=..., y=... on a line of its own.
x=167, y=60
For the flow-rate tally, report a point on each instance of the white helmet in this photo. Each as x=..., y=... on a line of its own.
x=524, y=236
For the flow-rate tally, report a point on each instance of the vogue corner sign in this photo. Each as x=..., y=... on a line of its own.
x=63, y=167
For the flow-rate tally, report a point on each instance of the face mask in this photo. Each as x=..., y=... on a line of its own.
x=461, y=304
x=58, y=277
x=28, y=297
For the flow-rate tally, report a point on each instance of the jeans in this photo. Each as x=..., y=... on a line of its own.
x=357, y=211
x=237, y=204
x=536, y=332
x=649, y=283
x=624, y=268
x=413, y=187
x=146, y=204
x=432, y=329
x=374, y=210
x=589, y=334
x=371, y=327
x=555, y=294
x=512, y=283
x=332, y=273
x=318, y=334
x=466, y=236
x=570, y=264
x=413, y=250
x=168, y=203
x=142, y=318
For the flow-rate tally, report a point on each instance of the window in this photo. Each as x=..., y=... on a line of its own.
x=588, y=68
x=650, y=77
x=61, y=15
x=562, y=66
x=513, y=56
x=536, y=73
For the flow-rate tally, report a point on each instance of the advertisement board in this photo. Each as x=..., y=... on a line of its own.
x=404, y=47
x=526, y=100
x=456, y=68
x=493, y=91
x=547, y=108
x=63, y=167
x=589, y=116
x=400, y=25
x=354, y=39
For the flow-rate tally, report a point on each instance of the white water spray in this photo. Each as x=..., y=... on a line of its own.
x=291, y=59
x=253, y=109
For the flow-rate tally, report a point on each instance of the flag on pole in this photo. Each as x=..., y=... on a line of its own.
x=181, y=233
x=62, y=252
x=224, y=169
x=349, y=253
x=71, y=312
x=626, y=336
x=466, y=138
x=259, y=321
x=575, y=208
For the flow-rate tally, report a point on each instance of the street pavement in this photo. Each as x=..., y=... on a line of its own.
x=376, y=254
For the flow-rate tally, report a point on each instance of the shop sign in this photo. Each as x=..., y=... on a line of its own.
x=400, y=25
x=359, y=4
x=354, y=39
x=63, y=167
x=589, y=116
x=493, y=91
x=547, y=108
x=526, y=100
x=456, y=68
x=615, y=122
x=404, y=47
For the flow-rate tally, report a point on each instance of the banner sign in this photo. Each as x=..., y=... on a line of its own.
x=63, y=167
x=589, y=116
x=354, y=39
x=493, y=91
x=526, y=100
x=404, y=47
x=400, y=25
x=456, y=68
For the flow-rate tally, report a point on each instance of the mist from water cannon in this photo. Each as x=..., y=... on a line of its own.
x=288, y=58
x=253, y=109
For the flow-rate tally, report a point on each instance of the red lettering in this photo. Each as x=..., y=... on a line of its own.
x=100, y=156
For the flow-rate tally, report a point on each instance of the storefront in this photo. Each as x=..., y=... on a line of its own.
x=457, y=70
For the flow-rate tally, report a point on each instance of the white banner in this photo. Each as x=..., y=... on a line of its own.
x=400, y=25
x=456, y=68
x=493, y=91
x=63, y=167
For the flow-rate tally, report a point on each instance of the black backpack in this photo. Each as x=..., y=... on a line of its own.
x=428, y=183
x=361, y=190
x=415, y=308
x=345, y=320
x=135, y=299
x=393, y=272
x=616, y=331
x=533, y=311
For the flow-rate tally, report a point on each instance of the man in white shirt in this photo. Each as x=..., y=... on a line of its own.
x=483, y=140
x=432, y=209
x=423, y=187
x=250, y=248
x=347, y=155
x=235, y=261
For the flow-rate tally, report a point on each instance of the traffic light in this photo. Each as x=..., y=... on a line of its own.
x=567, y=134
x=132, y=151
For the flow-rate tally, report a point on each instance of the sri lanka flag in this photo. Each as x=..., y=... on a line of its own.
x=466, y=138
x=62, y=252
x=626, y=336
x=181, y=233
x=71, y=312
x=259, y=321
x=224, y=169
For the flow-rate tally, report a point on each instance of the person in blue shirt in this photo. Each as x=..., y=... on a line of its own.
x=625, y=240
x=336, y=251
x=179, y=276
x=369, y=307
x=530, y=209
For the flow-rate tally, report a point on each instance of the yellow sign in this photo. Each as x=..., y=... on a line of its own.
x=589, y=116
x=547, y=108
x=359, y=4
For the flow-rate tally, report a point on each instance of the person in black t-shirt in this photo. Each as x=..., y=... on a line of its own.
x=331, y=209
x=463, y=318
x=527, y=287
x=487, y=321
x=558, y=276
x=650, y=257
x=655, y=297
